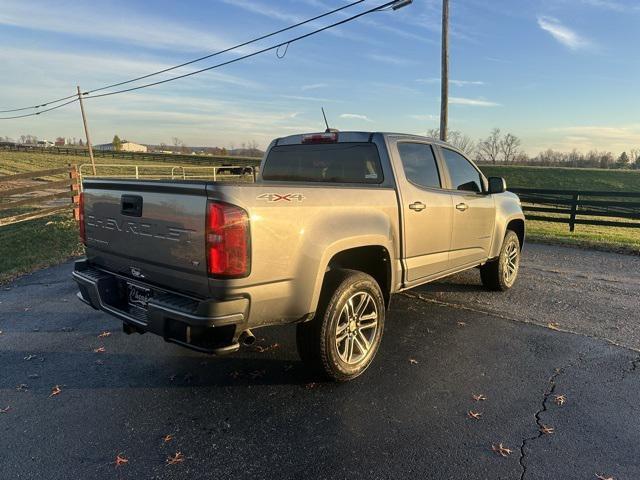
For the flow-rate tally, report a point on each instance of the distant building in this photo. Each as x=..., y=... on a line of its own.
x=60, y=142
x=125, y=146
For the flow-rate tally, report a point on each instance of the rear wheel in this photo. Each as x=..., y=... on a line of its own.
x=343, y=338
x=501, y=274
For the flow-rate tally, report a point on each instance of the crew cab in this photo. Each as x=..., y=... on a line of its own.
x=335, y=224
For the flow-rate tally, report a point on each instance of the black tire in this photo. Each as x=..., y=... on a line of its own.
x=501, y=274
x=318, y=340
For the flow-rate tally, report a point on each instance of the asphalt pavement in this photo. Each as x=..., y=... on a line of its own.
x=257, y=414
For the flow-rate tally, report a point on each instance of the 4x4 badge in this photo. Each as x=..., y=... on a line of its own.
x=281, y=197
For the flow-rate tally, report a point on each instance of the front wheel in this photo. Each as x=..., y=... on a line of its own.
x=501, y=274
x=343, y=338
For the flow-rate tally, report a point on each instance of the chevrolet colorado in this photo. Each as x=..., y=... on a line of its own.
x=335, y=224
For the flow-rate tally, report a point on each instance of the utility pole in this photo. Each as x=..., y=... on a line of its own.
x=444, y=95
x=86, y=132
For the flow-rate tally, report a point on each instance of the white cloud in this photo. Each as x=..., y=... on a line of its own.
x=471, y=102
x=355, y=116
x=313, y=86
x=424, y=118
x=391, y=59
x=627, y=133
x=612, y=5
x=92, y=21
x=302, y=98
x=563, y=34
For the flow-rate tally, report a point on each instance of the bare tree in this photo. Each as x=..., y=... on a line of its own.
x=488, y=150
x=456, y=138
x=509, y=146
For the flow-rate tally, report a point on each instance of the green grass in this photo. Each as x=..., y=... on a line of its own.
x=611, y=239
x=29, y=246
x=619, y=239
x=566, y=178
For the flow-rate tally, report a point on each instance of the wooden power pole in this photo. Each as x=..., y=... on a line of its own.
x=444, y=96
x=86, y=132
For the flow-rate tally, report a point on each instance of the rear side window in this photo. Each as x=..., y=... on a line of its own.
x=463, y=175
x=419, y=164
x=330, y=163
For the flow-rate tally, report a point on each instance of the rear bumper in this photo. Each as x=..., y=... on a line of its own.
x=208, y=326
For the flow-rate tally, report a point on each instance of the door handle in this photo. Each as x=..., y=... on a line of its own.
x=417, y=206
x=462, y=206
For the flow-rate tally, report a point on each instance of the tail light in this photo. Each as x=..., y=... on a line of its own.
x=327, y=137
x=81, y=224
x=228, y=241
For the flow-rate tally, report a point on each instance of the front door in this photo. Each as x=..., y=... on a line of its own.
x=473, y=212
x=426, y=212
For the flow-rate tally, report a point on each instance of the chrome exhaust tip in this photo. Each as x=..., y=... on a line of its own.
x=247, y=338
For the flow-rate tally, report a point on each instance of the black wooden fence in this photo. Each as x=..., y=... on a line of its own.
x=578, y=207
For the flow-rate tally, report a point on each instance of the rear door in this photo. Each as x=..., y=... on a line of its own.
x=426, y=211
x=473, y=211
x=148, y=230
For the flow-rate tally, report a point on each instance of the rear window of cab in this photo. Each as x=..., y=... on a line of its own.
x=324, y=163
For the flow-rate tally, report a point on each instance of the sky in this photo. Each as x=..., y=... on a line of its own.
x=559, y=74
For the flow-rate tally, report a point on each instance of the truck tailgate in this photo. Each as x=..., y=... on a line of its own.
x=151, y=231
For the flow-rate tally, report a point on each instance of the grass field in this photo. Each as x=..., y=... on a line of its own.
x=566, y=178
x=39, y=243
x=35, y=244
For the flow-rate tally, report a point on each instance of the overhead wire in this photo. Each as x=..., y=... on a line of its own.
x=205, y=57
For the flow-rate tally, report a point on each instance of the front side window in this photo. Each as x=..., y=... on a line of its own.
x=419, y=164
x=464, y=176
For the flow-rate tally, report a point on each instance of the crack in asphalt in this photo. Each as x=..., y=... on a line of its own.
x=543, y=408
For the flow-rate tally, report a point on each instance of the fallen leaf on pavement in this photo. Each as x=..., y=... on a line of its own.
x=104, y=334
x=413, y=361
x=55, y=391
x=479, y=397
x=99, y=350
x=261, y=349
x=501, y=450
x=474, y=415
x=177, y=458
x=120, y=460
x=553, y=326
x=167, y=438
x=6, y=409
x=560, y=400
x=462, y=324
x=602, y=477
x=546, y=430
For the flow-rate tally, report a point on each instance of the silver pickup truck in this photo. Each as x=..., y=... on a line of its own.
x=335, y=223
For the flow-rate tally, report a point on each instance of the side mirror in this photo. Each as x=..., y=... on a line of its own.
x=497, y=185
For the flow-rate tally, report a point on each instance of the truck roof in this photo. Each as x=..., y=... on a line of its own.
x=357, y=136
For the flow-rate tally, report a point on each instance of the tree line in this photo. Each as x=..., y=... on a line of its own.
x=506, y=149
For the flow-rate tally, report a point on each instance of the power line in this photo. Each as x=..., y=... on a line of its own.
x=384, y=6
x=37, y=106
x=43, y=111
x=244, y=57
x=226, y=50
